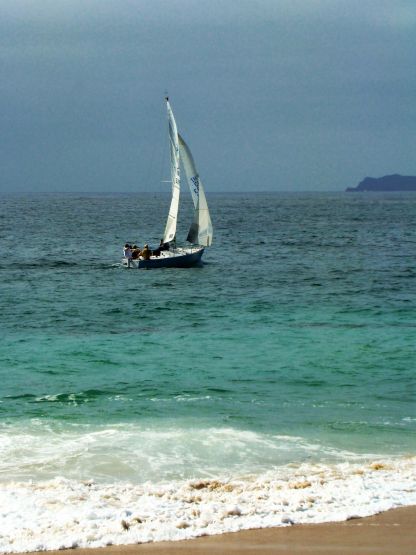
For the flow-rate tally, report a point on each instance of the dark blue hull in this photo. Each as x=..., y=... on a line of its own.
x=169, y=260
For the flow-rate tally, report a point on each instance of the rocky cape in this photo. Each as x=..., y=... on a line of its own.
x=394, y=182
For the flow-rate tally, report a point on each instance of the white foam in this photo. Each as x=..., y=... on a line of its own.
x=63, y=513
x=144, y=485
x=142, y=453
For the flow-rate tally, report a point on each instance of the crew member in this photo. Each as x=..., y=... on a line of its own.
x=146, y=253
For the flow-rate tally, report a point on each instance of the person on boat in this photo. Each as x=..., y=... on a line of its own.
x=146, y=252
x=164, y=246
x=127, y=252
x=135, y=252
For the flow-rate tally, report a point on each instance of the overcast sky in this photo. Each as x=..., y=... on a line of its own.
x=284, y=95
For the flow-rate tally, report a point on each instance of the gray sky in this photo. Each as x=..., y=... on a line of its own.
x=285, y=95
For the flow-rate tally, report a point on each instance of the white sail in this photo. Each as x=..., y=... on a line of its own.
x=200, y=231
x=170, y=229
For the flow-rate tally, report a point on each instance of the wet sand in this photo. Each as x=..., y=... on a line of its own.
x=389, y=533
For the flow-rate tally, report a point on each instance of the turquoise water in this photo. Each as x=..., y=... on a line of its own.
x=294, y=343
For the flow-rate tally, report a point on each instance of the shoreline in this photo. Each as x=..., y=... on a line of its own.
x=390, y=533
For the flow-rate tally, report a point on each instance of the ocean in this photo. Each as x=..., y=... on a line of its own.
x=273, y=385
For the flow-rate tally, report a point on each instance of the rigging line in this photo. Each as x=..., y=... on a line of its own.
x=156, y=144
x=163, y=158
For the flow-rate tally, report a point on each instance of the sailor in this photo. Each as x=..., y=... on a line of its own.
x=135, y=252
x=128, y=254
x=146, y=253
x=164, y=246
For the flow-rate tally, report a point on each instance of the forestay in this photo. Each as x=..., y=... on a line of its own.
x=200, y=231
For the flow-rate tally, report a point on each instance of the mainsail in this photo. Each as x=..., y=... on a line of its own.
x=170, y=229
x=200, y=231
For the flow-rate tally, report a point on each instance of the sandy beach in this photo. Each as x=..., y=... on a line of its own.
x=392, y=532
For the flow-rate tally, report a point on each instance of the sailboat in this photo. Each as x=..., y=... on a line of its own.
x=200, y=233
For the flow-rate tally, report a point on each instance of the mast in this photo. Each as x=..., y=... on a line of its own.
x=170, y=229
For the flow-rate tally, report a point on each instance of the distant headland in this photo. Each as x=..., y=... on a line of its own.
x=394, y=182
